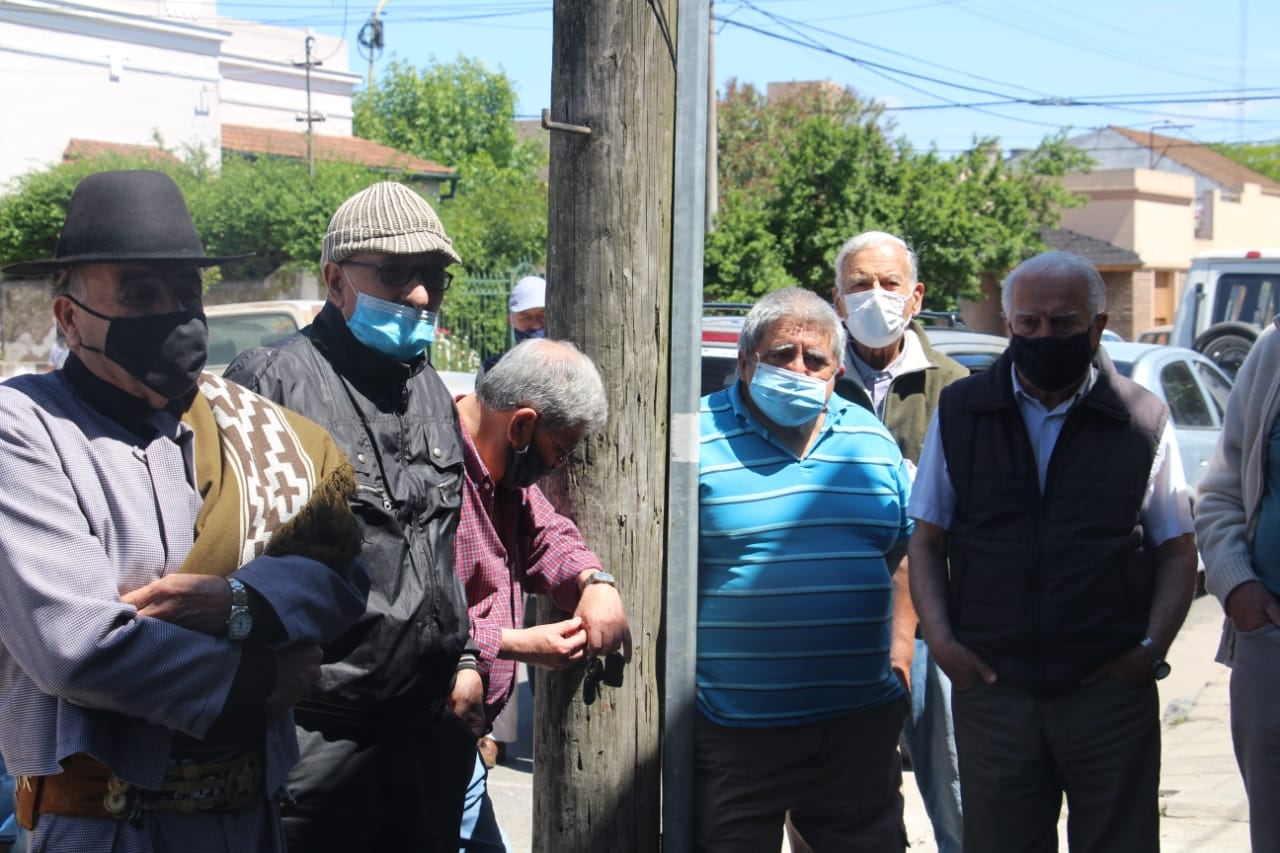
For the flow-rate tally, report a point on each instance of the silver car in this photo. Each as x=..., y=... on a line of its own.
x=1195, y=390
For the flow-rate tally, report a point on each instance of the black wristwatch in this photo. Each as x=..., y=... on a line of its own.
x=239, y=621
x=1159, y=666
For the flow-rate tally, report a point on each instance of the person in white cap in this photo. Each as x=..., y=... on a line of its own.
x=526, y=314
x=385, y=760
x=527, y=308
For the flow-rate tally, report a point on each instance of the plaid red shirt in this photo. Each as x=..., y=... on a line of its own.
x=508, y=540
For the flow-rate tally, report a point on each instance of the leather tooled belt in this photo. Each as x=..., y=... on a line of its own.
x=87, y=788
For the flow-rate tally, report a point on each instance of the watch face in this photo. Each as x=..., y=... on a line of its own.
x=239, y=625
x=1162, y=669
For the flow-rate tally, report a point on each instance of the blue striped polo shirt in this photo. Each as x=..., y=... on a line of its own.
x=794, y=594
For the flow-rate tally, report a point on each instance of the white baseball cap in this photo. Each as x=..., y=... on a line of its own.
x=529, y=292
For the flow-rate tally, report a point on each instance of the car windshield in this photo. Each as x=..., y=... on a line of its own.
x=1246, y=298
x=232, y=334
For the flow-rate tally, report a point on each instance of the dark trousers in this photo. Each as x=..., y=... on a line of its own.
x=398, y=786
x=839, y=780
x=1255, y=729
x=1098, y=744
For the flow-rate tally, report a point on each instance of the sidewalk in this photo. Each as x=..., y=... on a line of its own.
x=1202, y=799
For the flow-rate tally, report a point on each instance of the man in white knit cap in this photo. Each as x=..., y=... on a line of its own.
x=385, y=760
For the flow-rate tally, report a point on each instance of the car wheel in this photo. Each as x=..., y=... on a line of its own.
x=1226, y=345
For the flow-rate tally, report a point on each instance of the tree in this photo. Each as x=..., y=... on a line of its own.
x=271, y=206
x=449, y=112
x=802, y=173
x=1263, y=157
x=31, y=215
x=268, y=206
x=461, y=115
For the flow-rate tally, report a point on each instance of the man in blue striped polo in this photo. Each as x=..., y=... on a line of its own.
x=802, y=514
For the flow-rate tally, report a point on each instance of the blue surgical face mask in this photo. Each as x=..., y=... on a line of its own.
x=528, y=334
x=787, y=398
x=400, y=332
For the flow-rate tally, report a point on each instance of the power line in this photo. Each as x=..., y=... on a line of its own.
x=881, y=48
x=1083, y=102
x=981, y=107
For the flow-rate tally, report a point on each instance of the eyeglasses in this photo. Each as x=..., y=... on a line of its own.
x=397, y=275
x=566, y=454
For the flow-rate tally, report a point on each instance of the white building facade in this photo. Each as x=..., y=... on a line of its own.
x=148, y=73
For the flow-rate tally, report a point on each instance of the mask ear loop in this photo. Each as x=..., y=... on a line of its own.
x=521, y=451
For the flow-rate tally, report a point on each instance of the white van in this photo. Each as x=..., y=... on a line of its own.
x=1229, y=296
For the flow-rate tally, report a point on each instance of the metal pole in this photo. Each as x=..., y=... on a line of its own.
x=311, y=163
x=688, y=221
x=372, y=55
x=713, y=158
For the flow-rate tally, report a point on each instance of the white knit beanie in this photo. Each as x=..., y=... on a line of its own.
x=386, y=217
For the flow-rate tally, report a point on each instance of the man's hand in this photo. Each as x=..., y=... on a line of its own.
x=902, y=645
x=963, y=667
x=1133, y=668
x=297, y=674
x=900, y=658
x=600, y=609
x=1251, y=605
x=198, y=602
x=558, y=645
x=467, y=699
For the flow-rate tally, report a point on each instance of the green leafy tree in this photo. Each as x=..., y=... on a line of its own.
x=268, y=206
x=801, y=174
x=31, y=214
x=461, y=115
x=271, y=206
x=1263, y=157
x=449, y=112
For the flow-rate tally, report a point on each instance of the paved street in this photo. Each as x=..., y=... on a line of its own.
x=1201, y=794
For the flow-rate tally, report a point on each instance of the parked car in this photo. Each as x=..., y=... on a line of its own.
x=1195, y=390
x=974, y=350
x=1229, y=296
x=1155, y=335
x=240, y=326
x=459, y=382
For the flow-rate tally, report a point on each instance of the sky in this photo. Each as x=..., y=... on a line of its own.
x=947, y=71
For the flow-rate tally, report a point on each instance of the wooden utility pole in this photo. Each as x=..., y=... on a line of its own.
x=311, y=117
x=597, y=768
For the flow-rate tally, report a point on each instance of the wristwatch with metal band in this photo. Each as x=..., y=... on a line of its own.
x=240, y=621
x=1159, y=666
x=601, y=577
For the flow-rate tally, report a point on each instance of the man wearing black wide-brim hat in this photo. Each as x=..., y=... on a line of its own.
x=173, y=550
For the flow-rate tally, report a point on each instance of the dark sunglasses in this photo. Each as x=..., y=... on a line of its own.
x=398, y=275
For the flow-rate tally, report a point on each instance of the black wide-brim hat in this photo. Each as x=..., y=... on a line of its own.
x=124, y=217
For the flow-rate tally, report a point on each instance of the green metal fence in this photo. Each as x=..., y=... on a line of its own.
x=473, y=322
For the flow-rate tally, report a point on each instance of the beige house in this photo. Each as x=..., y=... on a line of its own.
x=1153, y=201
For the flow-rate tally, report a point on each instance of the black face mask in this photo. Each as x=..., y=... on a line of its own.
x=1052, y=363
x=165, y=352
x=524, y=467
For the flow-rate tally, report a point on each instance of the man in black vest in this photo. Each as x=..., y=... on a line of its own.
x=1052, y=564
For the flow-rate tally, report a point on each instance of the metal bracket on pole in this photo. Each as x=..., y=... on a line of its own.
x=548, y=124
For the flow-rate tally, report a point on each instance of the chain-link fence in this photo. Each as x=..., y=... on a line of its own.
x=473, y=322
